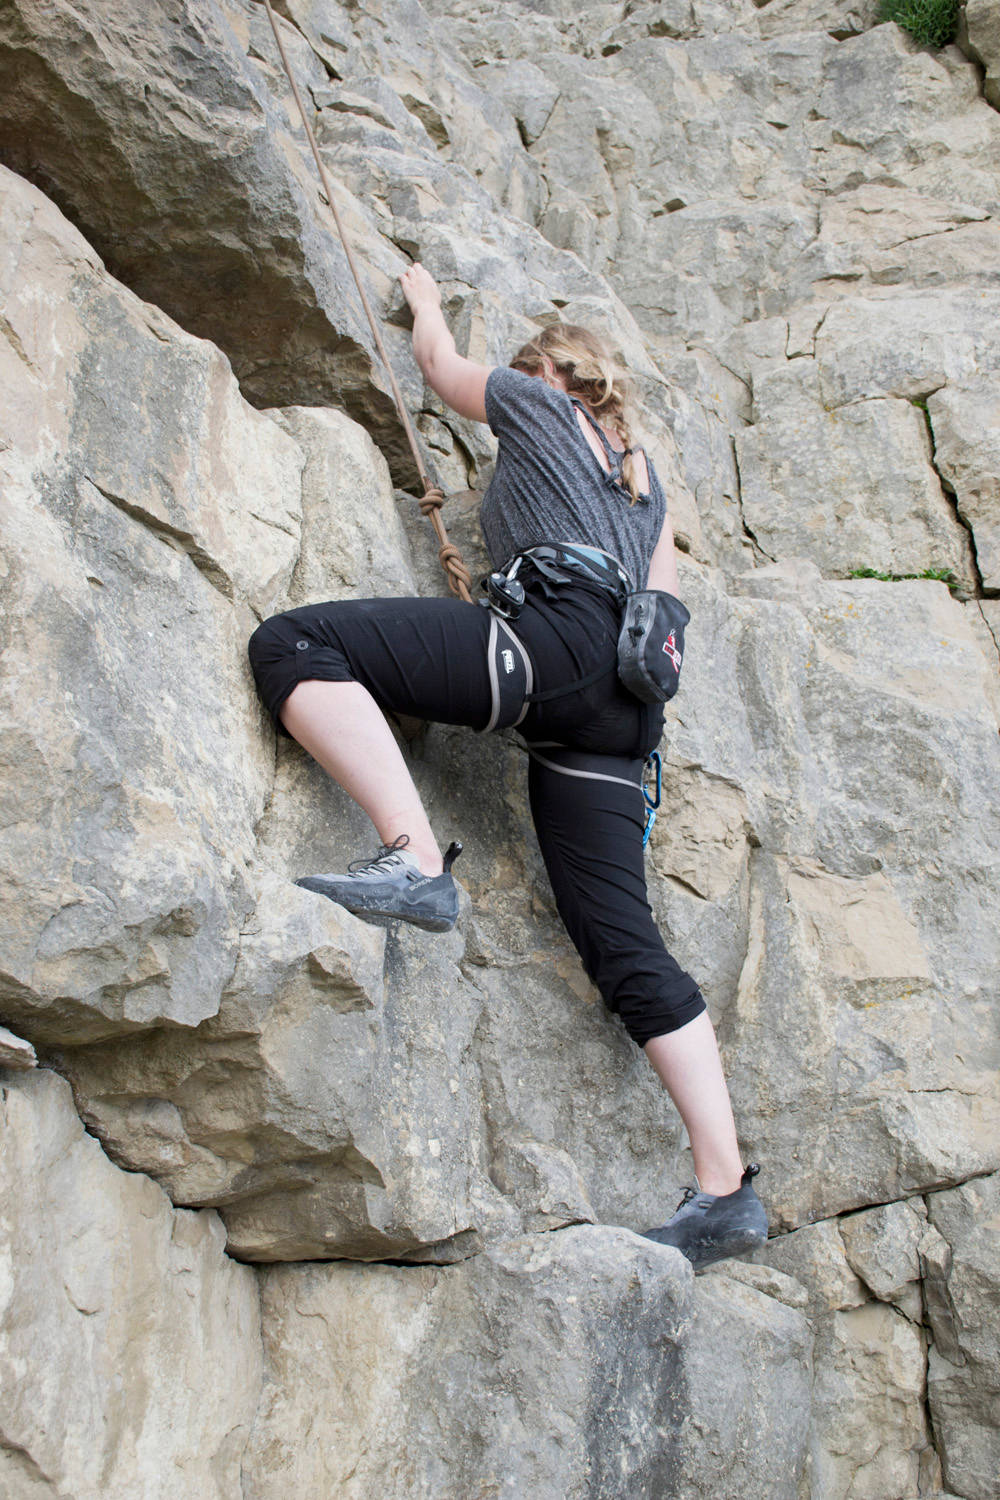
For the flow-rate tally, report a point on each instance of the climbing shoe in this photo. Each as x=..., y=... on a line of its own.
x=707, y=1228
x=392, y=884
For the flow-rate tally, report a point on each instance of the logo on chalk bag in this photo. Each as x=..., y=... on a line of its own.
x=670, y=649
x=508, y=661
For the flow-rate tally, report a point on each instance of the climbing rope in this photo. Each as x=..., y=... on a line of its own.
x=459, y=578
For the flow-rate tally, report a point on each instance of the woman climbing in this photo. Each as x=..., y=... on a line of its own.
x=574, y=518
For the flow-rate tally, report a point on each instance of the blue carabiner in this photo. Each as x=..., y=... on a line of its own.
x=653, y=767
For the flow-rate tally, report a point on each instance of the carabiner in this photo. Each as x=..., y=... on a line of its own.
x=653, y=767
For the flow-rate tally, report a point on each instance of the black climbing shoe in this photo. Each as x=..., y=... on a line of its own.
x=707, y=1228
x=392, y=884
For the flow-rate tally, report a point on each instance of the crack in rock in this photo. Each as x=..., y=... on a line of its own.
x=172, y=536
x=951, y=499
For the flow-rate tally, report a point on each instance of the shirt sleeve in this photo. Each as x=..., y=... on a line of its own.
x=519, y=403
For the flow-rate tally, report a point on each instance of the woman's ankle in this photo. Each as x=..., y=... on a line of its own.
x=427, y=856
x=720, y=1184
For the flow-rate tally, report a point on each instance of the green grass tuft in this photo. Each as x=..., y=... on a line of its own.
x=931, y=23
x=938, y=575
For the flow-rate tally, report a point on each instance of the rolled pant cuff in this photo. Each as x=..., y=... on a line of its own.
x=661, y=1021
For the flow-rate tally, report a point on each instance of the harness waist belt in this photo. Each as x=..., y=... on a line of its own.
x=556, y=560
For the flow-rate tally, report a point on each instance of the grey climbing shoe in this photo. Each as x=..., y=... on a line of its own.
x=392, y=884
x=707, y=1228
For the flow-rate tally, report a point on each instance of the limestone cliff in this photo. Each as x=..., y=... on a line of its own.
x=786, y=217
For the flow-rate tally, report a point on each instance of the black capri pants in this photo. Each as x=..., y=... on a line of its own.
x=428, y=658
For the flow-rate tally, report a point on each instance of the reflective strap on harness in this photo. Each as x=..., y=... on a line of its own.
x=635, y=773
x=511, y=676
x=582, y=762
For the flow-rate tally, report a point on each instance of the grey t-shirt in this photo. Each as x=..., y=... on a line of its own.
x=549, y=485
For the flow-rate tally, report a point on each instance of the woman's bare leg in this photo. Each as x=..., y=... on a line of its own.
x=688, y=1065
x=343, y=728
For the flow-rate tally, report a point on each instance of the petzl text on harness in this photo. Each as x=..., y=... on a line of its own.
x=651, y=644
x=511, y=676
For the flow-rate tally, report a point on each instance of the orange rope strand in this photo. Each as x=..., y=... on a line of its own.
x=449, y=556
x=458, y=575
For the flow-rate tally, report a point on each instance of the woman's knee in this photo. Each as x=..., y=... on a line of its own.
x=285, y=651
x=273, y=639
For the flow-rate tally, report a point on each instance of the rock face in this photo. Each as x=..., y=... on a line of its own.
x=130, y=1350
x=966, y=427
x=980, y=31
x=137, y=759
x=785, y=216
x=886, y=1286
x=141, y=1344
x=15, y=1052
x=866, y=469
x=869, y=1432
x=167, y=134
x=470, y=1347
x=960, y=1258
x=848, y=961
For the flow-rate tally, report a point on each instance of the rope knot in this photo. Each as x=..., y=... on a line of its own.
x=433, y=499
x=459, y=577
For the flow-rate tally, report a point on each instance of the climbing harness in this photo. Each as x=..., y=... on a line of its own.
x=650, y=641
x=653, y=768
x=508, y=662
x=560, y=562
x=510, y=666
x=459, y=578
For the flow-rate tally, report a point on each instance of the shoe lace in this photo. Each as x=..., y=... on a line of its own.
x=383, y=860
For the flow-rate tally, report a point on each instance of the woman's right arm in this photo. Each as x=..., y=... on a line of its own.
x=663, y=563
x=461, y=383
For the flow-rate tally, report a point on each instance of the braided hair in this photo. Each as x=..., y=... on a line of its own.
x=591, y=373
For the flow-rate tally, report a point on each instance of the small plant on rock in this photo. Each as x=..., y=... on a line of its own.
x=939, y=575
x=931, y=23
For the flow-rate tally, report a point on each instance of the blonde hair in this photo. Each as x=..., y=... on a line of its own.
x=593, y=375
